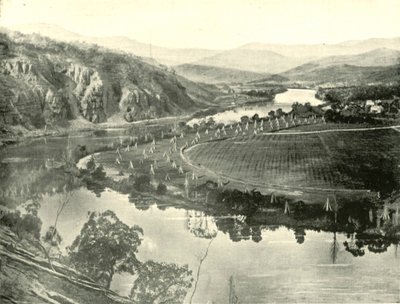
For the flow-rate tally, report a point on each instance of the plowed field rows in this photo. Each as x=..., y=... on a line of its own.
x=352, y=160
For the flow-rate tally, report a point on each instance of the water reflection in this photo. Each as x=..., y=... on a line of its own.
x=224, y=245
x=200, y=224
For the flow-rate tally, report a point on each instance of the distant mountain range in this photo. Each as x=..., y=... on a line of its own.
x=275, y=59
x=256, y=57
x=333, y=69
x=253, y=61
x=163, y=55
x=259, y=61
x=325, y=50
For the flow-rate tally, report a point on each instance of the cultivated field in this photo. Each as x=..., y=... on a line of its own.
x=332, y=160
x=307, y=158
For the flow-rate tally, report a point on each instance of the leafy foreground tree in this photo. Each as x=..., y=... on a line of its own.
x=161, y=283
x=106, y=246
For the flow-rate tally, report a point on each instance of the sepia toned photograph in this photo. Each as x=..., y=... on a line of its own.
x=199, y=151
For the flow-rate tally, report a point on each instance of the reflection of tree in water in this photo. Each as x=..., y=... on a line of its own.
x=299, y=234
x=338, y=215
x=24, y=182
x=354, y=246
x=334, y=249
x=161, y=283
x=141, y=203
x=93, y=176
x=378, y=245
x=237, y=228
x=355, y=215
x=375, y=244
x=233, y=298
x=256, y=233
x=200, y=224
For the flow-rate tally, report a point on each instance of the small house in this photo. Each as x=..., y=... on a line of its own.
x=376, y=109
x=369, y=104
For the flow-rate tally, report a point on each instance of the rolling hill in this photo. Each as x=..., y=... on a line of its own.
x=379, y=65
x=275, y=78
x=211, y=74
x=259, y=61
x=344, y=74
x=167, y=56
x=377, y=57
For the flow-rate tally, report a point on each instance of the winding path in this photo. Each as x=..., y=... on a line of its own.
x=334, y=130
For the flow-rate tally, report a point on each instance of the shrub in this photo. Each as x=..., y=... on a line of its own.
x=27, y=224
x=161, y=188
x=142, y=183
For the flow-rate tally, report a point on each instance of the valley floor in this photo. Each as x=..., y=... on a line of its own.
x=292, y=162
x=11, y=134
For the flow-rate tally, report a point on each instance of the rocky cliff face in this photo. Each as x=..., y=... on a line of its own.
x=29, y=94
x=88, y=91
x=44, y=82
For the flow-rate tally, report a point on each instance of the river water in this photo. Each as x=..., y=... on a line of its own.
x=276, y=269
x=279, y=265
x=282, y=100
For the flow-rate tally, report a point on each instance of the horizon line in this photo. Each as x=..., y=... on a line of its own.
x=10, y=27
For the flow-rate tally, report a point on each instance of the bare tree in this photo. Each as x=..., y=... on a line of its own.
x=52, y=238
x=199, y=269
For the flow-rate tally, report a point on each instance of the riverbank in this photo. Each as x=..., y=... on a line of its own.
x=204, y=193
x=213, y=209
x=75, y=127
x=164, y=162
x=15, y=134
x=18, y=134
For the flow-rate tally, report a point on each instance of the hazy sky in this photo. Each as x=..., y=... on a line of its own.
x=214, y=23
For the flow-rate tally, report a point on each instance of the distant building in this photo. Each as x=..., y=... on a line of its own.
x=376, y=109
x=369, y=103
x=328, y=107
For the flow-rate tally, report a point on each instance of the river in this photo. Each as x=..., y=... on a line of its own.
x=272, y=263
x=282, y=100
x=275, y=269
